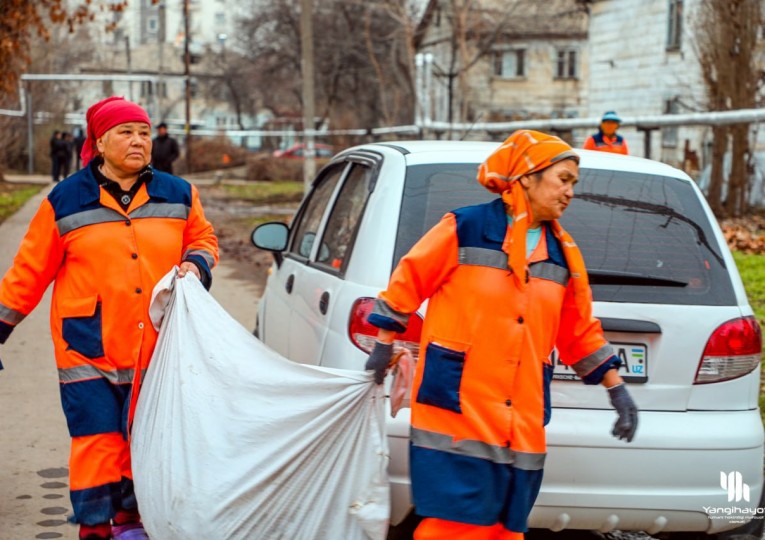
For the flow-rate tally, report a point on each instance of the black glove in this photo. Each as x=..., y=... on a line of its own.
x=379, y=360
x=626, y=424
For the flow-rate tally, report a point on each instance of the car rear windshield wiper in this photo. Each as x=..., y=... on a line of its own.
x=615, y=277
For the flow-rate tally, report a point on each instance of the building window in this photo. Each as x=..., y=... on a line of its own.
x=147, y=89
x=669, y=134
x=566, y=61
x=510, y=64
x=675, y=25
x=152, y=25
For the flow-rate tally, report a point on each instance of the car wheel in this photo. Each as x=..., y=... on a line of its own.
x=256, y=330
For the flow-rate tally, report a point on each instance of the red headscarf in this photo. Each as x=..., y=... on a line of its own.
x=103, y=116
x=524, y=152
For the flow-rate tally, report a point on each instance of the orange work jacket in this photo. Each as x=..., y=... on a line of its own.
x=599, y=141
x=481, y=388
x=105, y=262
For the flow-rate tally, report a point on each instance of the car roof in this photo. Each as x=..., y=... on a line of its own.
x=423, y=152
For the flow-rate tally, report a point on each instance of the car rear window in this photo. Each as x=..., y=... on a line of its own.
x=645, y=238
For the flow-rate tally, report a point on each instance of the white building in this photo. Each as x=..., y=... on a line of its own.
x=535, y=64
x=643, y=61
x=147, y=39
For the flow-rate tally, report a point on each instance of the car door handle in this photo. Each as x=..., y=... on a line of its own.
x=633, y=326
x=290, y=282
x=324, y=303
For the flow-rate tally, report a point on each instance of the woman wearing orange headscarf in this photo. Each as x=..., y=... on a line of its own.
x=506, y=284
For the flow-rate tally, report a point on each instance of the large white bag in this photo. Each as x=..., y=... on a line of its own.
x=232, y=441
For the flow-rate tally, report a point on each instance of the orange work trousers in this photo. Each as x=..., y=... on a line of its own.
x=441, y=529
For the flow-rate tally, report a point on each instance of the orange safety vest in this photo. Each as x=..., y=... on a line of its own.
x=599, y=141
x=481, y=389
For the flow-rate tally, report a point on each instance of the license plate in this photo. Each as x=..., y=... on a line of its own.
x=634, y=368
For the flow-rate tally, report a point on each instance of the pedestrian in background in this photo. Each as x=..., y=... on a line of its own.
x=56, y=145
x=505, y=284
x=79, y=140
x=164, y=150
x=67, y=151
x=106, y=235
x=606, y=139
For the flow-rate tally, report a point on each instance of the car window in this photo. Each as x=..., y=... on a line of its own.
x=340, y=231
x=430, y=191
x=314, y=208
x=644, y=238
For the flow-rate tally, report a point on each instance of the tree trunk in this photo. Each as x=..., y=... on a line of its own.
x=736, y=203
x=716, y=176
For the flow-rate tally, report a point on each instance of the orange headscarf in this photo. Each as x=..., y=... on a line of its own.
x=524, y=152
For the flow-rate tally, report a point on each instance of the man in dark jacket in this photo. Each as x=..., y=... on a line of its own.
x=164, y=150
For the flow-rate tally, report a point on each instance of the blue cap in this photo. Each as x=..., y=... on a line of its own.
x=612, y=116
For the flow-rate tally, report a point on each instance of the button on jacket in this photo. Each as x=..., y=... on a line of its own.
x=481, y=388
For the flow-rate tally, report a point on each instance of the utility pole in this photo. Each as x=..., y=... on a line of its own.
x=306, y=65
x=161, y=81
x=129, y=66
x=30, y=131
x=187, y=75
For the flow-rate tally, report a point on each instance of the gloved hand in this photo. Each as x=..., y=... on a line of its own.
x=626, y=424
x=379, y=360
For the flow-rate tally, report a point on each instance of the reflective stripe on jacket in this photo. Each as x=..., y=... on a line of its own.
x=481, y=386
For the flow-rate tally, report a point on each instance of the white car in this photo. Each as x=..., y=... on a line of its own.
x=665, y=287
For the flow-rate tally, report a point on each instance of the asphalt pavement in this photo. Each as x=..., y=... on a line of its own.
x=34, y=444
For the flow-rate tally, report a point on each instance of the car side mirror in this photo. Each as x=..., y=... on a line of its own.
x=271, y=237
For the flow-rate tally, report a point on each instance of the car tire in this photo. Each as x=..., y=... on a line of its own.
x=256, y=330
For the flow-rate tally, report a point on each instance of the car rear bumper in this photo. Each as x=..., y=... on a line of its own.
x=667, y=479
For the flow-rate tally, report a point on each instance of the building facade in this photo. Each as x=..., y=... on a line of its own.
x=506, y=60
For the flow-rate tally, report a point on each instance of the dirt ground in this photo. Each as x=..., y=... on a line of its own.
x=234, y=221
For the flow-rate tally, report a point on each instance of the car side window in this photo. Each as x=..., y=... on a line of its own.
x=343, y=222
x=305, y=232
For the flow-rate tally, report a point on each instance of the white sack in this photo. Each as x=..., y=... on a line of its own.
x=232, y=441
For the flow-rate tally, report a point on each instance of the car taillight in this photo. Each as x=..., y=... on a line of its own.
x=363, y=334
x=733, y=350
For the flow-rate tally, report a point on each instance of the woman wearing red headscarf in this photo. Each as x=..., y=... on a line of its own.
x=505, y=285
x=105, y=236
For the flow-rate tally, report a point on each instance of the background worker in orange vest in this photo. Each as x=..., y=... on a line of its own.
x=606, y=139
x=106, y=235
x=505, y=284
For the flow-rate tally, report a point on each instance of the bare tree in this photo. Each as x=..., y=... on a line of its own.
x=56, y=53
x=363, y=59
x=21, y=21
x=726, y=37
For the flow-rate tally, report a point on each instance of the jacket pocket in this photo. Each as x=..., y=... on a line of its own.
x=547, y=374
x=81, y=326
x=441, y=378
